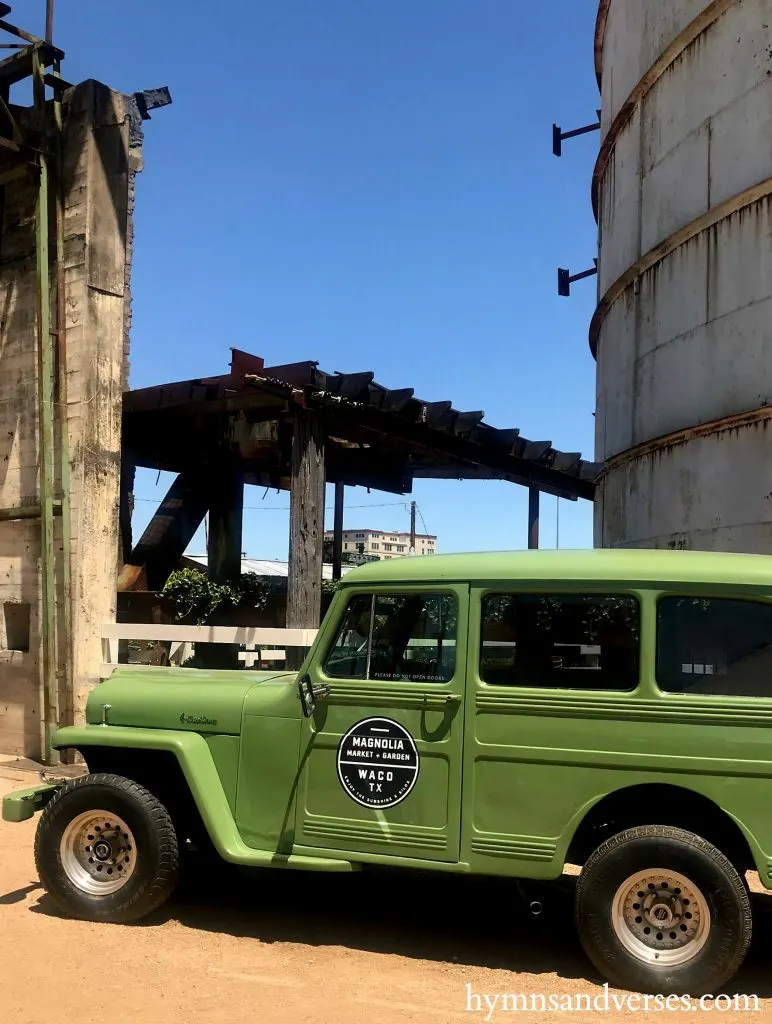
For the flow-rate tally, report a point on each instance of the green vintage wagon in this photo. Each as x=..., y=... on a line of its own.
x=500, y=714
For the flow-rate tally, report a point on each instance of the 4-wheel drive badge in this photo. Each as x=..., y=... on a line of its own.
x=377, y=762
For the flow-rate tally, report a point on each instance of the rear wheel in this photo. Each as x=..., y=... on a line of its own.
x=106, y=849
x=661, y=910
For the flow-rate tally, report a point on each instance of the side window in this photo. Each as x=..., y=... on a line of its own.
x=409, y=637
x=714, y=645
x=567, y=641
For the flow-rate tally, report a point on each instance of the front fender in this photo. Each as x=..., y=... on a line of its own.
x=198, y=767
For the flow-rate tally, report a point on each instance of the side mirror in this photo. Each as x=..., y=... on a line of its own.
x=309, y=694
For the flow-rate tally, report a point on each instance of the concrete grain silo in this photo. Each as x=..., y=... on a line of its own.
x=683, y=330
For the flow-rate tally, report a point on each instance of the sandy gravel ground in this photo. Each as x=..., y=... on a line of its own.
x=274, y=947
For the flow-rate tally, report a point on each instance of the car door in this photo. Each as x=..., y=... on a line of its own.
x=380, y=771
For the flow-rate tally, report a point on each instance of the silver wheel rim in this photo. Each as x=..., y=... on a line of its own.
x=660, y=917
x=98, y=852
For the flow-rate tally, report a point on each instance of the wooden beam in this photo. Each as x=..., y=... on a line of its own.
x=533, y=517
x=126, y=506
x=337, y=531
x=304, y=586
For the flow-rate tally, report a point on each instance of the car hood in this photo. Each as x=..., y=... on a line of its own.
x=195, y=700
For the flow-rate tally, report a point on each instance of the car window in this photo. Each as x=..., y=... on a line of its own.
x=396, y=637
x=569, y=641
x=714, y=645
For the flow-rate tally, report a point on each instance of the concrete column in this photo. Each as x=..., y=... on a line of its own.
x=101, y=155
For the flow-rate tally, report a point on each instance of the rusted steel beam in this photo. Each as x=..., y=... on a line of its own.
x=19, y=66
x=446, y=445
x=59, y=85
x=244, y=362
x=167, y=535
x=389, y=400
x=299, y=375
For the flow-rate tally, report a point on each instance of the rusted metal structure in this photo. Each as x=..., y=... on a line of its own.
x=682, y=190
x=297, y=428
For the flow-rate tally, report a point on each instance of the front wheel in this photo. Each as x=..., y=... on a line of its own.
x=106, y=850
x=661, y=910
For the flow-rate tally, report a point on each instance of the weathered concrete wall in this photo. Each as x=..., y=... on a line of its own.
x=98, y=173
x=683, y=187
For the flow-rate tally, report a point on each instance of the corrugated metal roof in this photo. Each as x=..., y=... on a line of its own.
x=270, y=566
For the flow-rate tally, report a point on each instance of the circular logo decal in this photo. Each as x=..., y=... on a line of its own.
x=377, y=762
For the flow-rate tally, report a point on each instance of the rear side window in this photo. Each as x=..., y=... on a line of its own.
x=396, y=637
x=567, y=641
x=714, y=645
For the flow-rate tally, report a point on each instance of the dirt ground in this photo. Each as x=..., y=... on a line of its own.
x=275, y=947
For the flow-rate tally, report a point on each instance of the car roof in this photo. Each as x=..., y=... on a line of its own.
x=601, y=564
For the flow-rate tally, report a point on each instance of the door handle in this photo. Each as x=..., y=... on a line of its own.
x=441, y=700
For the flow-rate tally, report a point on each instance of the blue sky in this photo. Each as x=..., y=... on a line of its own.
x=367, y=183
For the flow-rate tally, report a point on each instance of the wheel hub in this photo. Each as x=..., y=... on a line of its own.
x=662, y=913
x=98, y=852
x=661, y=917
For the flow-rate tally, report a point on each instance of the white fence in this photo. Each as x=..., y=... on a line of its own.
x=183, y=639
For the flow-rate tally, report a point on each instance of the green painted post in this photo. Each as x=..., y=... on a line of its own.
x=64, y=427
x=49, y=661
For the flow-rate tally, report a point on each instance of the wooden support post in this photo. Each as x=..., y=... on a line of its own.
x=533, y=517
x=304, y=586
x=337, y=531
x=126, y=507
x=226, y=512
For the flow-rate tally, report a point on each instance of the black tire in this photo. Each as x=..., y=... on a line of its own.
x=662, y=848
x=154, y=858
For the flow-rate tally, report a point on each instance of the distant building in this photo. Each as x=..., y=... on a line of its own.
x=260, y=566
x=374, y=545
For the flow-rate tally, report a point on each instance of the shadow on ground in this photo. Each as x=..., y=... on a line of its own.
x=7, y=899
x=474, y=922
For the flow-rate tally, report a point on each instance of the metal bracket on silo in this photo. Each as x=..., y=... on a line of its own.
x=559, y=136
x=566, y=278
